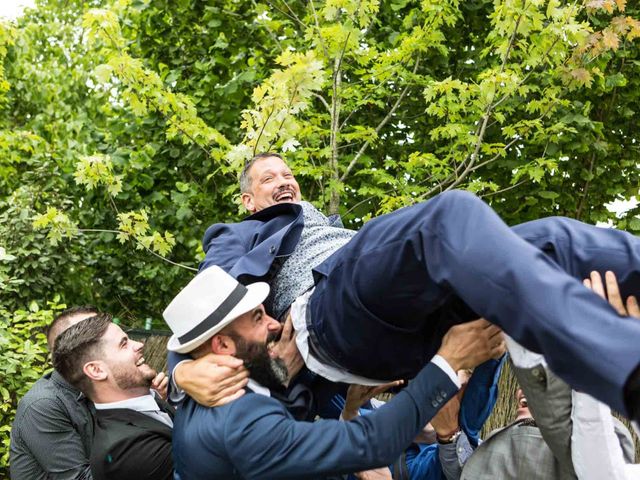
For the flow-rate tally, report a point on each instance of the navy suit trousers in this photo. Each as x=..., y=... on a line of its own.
x=383, y=301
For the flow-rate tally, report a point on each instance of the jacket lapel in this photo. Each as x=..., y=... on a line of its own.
x=131, y=417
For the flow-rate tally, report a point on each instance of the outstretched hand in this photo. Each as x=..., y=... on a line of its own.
x=628, y=308
x=358, y=395
x=469, y=344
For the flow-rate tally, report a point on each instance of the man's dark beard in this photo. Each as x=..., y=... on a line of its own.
x=268, y=372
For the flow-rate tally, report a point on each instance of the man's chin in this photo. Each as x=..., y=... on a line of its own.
x=286, y=200
x=147, y=371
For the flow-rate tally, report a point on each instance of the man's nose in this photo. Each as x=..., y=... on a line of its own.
x=274, y=325
x=282, y=181
x=137, y=345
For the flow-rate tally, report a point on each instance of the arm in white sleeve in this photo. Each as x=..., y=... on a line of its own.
x=596, y=450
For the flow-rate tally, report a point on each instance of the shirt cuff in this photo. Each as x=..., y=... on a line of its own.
x=446, y=368
x=176, y=394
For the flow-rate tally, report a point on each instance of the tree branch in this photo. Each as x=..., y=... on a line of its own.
x=384, y=121
x=98, y=230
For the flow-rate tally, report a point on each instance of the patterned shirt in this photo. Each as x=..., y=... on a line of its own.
x=319, y=239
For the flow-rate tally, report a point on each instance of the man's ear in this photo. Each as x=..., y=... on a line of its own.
x=222, y=344
x=247, y=201
x=96, y=370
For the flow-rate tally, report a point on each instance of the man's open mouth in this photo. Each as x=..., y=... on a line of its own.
x=272, y=341
x=140, y=362
x=285, y=196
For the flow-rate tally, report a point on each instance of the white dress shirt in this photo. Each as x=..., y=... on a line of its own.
x=145, y=404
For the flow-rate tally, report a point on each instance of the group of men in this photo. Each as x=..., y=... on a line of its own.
x=309, y=307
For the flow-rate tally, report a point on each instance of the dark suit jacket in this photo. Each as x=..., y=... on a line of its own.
x=130, y=445
x=246, y=250
x=255, y=436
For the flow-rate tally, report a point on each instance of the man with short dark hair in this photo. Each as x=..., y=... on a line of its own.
x=132, y=438
x=376, y=302
x=51, y=433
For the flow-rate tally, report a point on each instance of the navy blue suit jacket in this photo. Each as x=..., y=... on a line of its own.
x=255, y=436
x=246, y=250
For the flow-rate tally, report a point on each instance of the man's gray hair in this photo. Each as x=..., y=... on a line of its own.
x=245, y=177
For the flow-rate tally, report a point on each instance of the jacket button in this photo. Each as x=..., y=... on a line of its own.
x=272, y=249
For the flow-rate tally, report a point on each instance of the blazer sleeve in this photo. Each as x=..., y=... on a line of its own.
x=264, y=441
x=223, y=246
x=174, y=393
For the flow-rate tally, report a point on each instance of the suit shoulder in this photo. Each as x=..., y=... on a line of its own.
x=250, y=404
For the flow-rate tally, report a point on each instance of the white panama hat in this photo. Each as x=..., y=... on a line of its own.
x=209, y=302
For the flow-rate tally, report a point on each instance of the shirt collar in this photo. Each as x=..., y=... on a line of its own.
x=257, y=388
x=60, y=381
x=145, y=403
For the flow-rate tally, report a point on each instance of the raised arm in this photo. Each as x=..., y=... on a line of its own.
x=212, y=380
x=263, y=441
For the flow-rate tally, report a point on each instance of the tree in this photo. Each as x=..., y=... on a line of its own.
x=122, y=128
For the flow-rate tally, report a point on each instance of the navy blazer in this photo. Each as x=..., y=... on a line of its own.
x=255, y=436
x=246, y=250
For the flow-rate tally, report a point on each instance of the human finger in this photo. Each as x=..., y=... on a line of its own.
x=384, y=387
x=587, y=283
x=228, y=397
x=229, y=379
x=596, y=284
x=287, y=328
x=632, y=306
x=160, y=383
x=492, y=331
x=498, y=350
x=224, y=360
x=480, y=323
x=613, y=293
x=157, y=380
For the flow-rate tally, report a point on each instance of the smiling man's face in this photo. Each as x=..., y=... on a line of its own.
x=125, y=361
x=272, y=182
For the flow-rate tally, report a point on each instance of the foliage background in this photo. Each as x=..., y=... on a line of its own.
x=123, y=124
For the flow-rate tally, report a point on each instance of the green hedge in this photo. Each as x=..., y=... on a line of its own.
x=23, y=360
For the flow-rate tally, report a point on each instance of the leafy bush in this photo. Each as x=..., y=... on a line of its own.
x=23, y=360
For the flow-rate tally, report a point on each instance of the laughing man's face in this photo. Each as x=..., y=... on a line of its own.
x=272, y=182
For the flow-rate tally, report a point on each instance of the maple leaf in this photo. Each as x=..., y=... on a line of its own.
x=582, y=76
x=610, y=40
x=608, y=5
x=595, y=4
x=620, y=25
x=634, y=28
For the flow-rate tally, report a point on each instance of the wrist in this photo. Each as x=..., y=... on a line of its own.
x=451, y=360
x=177, y=379
x=448, y=437
x=349, y=413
